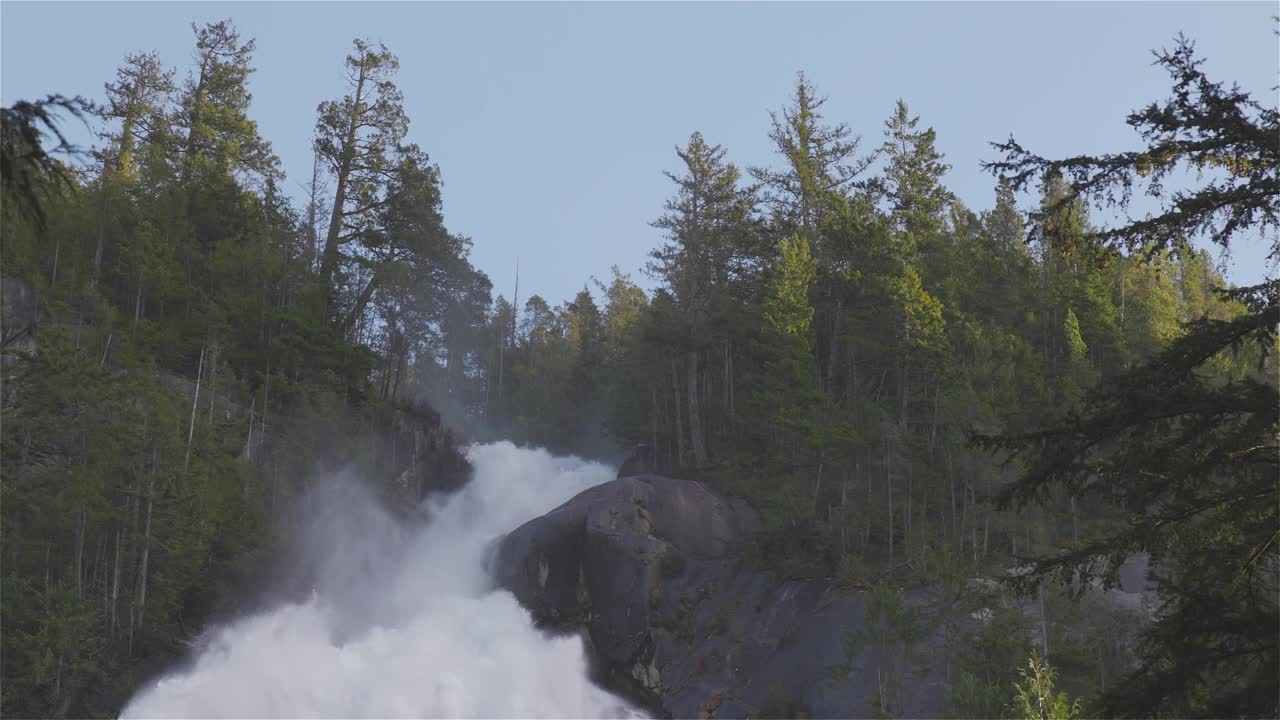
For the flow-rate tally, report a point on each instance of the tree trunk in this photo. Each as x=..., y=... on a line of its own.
x=248, y=443
x=867, y=512
x=844, y=512
x=362, y=301
x=53, y=277
x=1044, y=628
x=115, y=587
x=146, y=558
x=888, y=489
x=906, y=513
x=329, y=261
x=833, y=347
x=102, y=232
x=725, y=390
x=933, y=429
x=817, y=488
x=1075, y=522
x=653, y=425
x=137, y=305
x=902, y=411
x=191, y=428
x=732, y=395
x=957, y=527
x=213, y=376
x=697, y=435
x=675, y=389
x=80, y=532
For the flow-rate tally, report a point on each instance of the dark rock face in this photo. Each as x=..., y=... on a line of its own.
x=651, y=570
x=429, y=452
x=18, y=315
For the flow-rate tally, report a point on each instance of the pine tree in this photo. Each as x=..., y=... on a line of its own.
x=788, y=390
x=913, y=179
x=706, y=223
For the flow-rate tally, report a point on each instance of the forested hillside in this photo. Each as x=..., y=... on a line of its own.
x=912, y=392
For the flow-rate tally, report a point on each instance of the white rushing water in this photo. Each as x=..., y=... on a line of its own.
x=402, y=623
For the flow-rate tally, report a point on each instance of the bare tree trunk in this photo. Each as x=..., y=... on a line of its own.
x=248, y=443
x=867, y=512
x=675, y=389
x=102, y=231
x=99, y=578
x=732, y=394
x=933, y=430
x=1075, y=522
x=653, y=423
x=725, y=390
x=146, y=557
x=137, y=305
x=53, y=276
x=386, y=361
x=832, y=348
x=851, y=382
x=191, y=428
x=697, y=436
x=213, y=376
x=266, y=404
x=973, y=525
x=115, y=587
x=1044, y=628
x=817, y=488
x=844, y=512
x=957, y=528
x=902, y=412
x=888, y=487
x=906, y=513
x=986, y=519
x=80, y=532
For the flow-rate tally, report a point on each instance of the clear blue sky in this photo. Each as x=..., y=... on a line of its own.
x=552, y=123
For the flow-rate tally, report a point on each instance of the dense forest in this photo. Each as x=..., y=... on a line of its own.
x=911, y=392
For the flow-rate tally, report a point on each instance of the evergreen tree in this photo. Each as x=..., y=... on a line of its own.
x=213, y=108
x=1188, y=454
x=821, y=162
x=913, y=180
x=706, y=223
x=357, y=137
x=138, y=99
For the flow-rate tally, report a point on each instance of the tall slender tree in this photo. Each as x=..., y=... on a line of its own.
x=357, y=137
x=705, y=224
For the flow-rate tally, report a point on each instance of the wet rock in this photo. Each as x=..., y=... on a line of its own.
x=429, y=451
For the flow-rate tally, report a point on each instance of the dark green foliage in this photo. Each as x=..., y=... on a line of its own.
x=28, y=168
x=986, y=668
x=1185, y=442
x=187, y=378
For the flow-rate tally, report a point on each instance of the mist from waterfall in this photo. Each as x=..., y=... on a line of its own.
x=402, y=621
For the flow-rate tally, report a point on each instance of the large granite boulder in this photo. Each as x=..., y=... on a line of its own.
x=652, y=571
